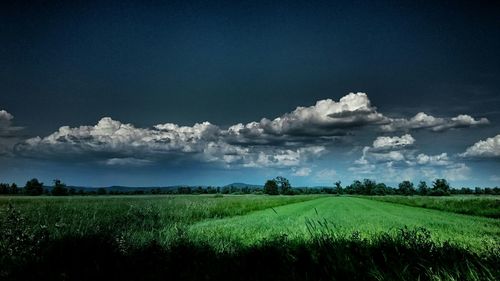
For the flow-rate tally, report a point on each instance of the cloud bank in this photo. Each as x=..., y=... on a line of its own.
x=289, y=140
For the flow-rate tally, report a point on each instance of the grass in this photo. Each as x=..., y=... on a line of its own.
x=241, y=238
x=347, y=215
x=484, y=206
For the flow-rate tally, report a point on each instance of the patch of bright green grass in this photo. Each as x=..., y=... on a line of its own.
x=346, y=215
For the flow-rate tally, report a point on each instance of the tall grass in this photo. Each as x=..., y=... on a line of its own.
x=484, y=206
x=240, y=238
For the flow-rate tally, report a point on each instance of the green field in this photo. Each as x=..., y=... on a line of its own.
x=485, y=206
x=332, y=235
x=347, y=215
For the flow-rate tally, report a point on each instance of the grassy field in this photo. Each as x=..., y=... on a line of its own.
x=247, y=237
x=346, y=215
x=484, y=206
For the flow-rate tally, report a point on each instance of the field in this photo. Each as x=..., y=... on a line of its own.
x=250, y=237
x=484, y=206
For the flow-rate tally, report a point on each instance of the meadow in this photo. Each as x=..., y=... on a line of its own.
x=484, y=206
x=246, y=237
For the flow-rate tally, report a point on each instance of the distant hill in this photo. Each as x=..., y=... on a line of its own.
x=241, y=185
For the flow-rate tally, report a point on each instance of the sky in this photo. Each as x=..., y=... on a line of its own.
x=215, y=92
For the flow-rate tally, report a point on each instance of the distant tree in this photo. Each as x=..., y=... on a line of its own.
x=440, y=187
x=381, y=189
x=59, y=188
x=406, y=188
x=72, y=191
x=4, y=188
x=14, y=189
x=423, y=189
x=338, y=188
x=368, y=186
x=33, y=187
x=102, y=191
x=284, y=186
x=271, y=187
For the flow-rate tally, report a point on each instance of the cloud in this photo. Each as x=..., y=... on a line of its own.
x=393, y=142
x=424, y=121
x=129, y=161
x=391, y=159
x=434, y=160
x=457, y=172
x=325, y=176
x=289, y=140
x=386, y=148
x=488, y=148
x=8, y=133
x=124, y=144
x=302, y=172
x=325, y=118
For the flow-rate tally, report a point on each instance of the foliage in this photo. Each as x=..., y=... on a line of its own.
x=240, y=237
x=271, y=187
x=406, y=188
x=33, y=187
x=485, y=206
x=59, y=189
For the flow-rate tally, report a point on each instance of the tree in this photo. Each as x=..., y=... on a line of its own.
x=59, y=188
x=440, y=187
x=406, y=188
x=102, y=191
x=33, y=187
x=271, y=187
x=423, y=189
x=284, y=186
x=338, y=188
x=14, y=189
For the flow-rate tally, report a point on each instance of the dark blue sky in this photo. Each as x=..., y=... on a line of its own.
x=186, y=62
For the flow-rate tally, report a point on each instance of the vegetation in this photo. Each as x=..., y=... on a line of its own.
x=251, y=237
x=485, y=206
x=278, y=185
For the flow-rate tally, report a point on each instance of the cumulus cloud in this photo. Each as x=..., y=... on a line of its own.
x=325, y=118
x=393, y=142
x=434, y=160
x=8, y=133
x=488, y=148
x=288, y=140
x=385, y=148
x=393, y=159
x=121, y=143
x=424, y=121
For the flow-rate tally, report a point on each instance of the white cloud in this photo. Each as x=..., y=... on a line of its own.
x=457, y=172
x=325, y=118
x=391, y=160
x=424, y=121
x=484, y=148
x=434, y=160
x=289, y=140
x=128, y=145
x=393, y=142
x=8, y=133
x=302, y=172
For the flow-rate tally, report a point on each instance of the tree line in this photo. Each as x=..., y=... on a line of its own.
x=276, y=186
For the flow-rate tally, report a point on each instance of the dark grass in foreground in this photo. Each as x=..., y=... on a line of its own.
x=30, y=253
x=406, y=256
x=485, y=206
